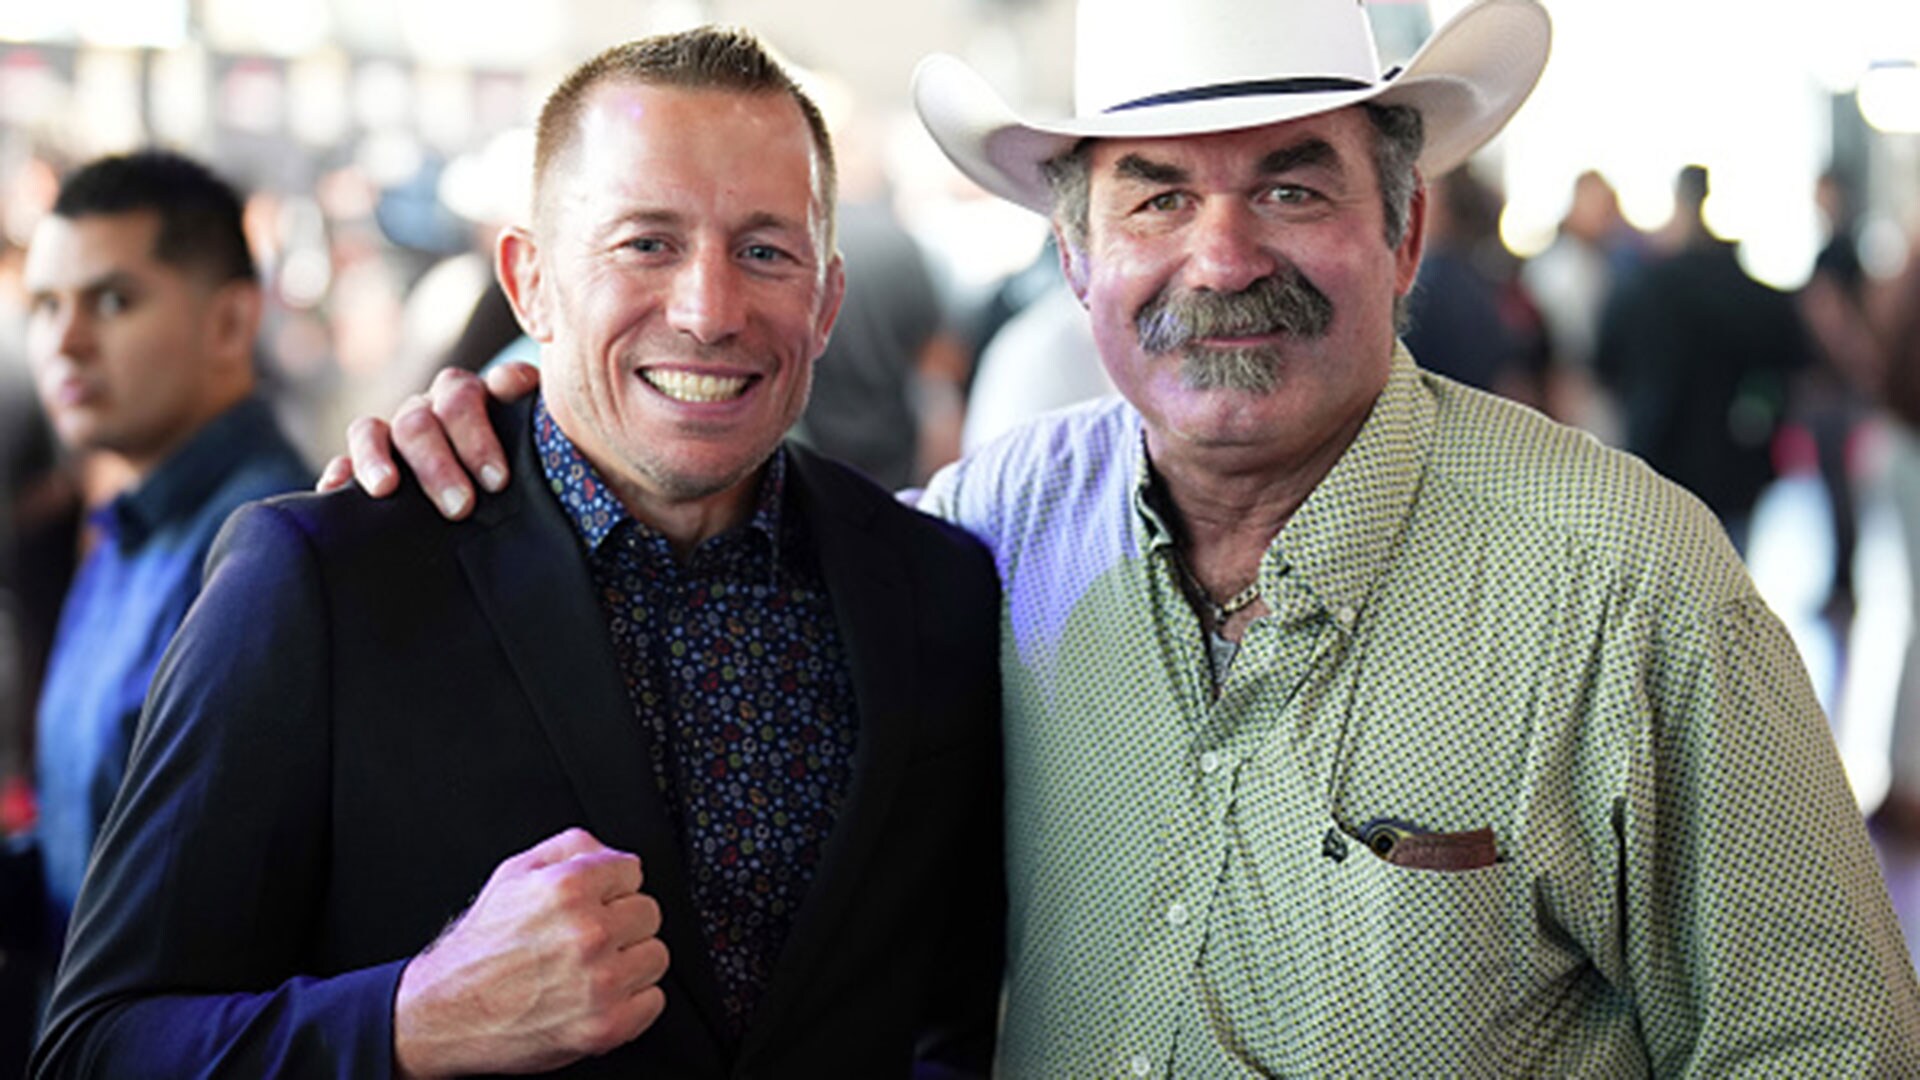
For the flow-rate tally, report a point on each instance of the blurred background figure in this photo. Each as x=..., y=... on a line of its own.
x=1806, y=523
x=143, y=311
x=1042, y=357
x=1469, y=317
x=1700, y=356
x=1899, y=810
x=1834, y=401
x=27, y=475
x=1879, y=714
x=890, y=357
x=887, y=392
x=34, y=493
x=1593, y=249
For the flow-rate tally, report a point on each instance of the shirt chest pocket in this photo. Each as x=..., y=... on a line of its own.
x=1364, y=968
x=1421, y=959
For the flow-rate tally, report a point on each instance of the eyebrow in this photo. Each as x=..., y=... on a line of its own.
x=646, y=218
x=1300, y=155
x=767, y=220
x=1135, y=167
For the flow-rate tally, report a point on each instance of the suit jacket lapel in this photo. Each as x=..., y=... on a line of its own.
x=531, y=580
x=873, y=607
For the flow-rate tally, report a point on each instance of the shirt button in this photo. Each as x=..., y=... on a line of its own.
x=1176, y=914
x=1345, y=616
x=1210, y=762
x=1139, y=1066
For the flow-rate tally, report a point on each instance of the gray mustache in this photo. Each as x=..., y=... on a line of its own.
x=1282, y=303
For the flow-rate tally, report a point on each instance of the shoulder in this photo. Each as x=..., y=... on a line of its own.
x=352, y=533
x=1525, y=479
x=348, y=516
x=1058, y=462
x=295, y=533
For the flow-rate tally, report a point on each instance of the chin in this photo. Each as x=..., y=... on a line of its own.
x=80, y=435
x=686, y=481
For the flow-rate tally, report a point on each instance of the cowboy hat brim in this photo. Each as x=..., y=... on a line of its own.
x=1467, y=81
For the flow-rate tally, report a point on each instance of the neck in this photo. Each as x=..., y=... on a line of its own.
x=1229, y=506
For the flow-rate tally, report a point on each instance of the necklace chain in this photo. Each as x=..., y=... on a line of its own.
x=1237, y=601
x=1220, y=610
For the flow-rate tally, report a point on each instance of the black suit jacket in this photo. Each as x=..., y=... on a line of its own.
x=369, y=708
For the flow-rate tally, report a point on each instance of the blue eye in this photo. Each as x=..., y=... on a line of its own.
x=111, y=302
x=645, y=245
x=762, y=253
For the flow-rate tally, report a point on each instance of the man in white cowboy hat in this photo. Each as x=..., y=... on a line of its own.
x=1360, y=723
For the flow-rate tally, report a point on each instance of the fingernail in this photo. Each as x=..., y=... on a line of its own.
x=453, y=502
x=492, y=477
x=378, y=475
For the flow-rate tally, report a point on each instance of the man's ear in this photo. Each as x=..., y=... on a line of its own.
x=1073, y=264
x=233, y=321
x=835, y=293
x=516, y=263
x=1406, y=257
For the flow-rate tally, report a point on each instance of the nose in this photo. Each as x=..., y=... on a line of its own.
x=707, y=302
x=1228, y=251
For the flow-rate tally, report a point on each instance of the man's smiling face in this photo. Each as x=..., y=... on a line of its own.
x=683, y=288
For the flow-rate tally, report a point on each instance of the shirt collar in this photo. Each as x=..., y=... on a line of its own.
x=1150, y=528
x=1341, y=540
x=180, y=485
x=595, y=511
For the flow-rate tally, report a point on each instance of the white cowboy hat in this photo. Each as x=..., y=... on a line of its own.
x=1150, y=68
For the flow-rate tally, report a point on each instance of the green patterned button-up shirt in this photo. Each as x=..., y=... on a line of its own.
x=1479, y=620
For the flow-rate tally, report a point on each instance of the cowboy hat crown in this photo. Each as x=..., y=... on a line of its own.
x=1146, y=69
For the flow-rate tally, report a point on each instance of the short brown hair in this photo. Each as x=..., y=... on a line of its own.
x=705, y=58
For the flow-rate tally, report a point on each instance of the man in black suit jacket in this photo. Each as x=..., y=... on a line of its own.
x=371, y=714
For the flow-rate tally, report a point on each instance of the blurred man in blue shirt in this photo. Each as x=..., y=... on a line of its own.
x=144, y=305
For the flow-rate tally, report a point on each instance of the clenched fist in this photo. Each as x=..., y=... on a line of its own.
x=556, y=960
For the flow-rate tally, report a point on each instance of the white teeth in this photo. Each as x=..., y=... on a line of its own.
x=687, y=386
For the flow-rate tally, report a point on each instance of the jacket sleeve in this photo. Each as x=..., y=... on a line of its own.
x=193, y=946
x=958, y=1034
